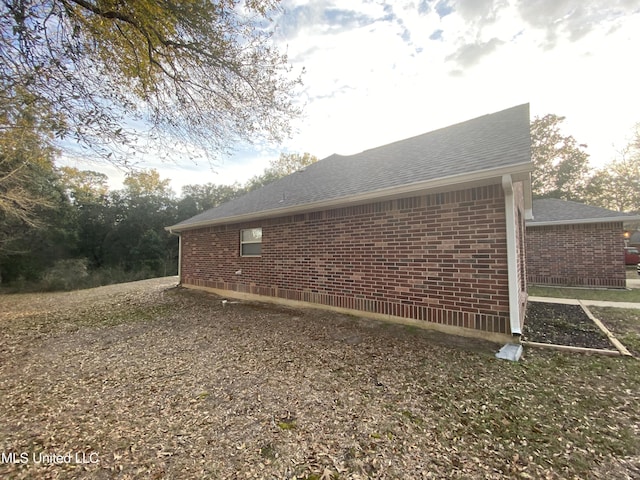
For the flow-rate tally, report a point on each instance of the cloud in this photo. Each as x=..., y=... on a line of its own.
x=470, y=54
x=300, y=57
x=406, y=35
x=333, y=93
x=443, y=8
x=479, y=11
x=436, y=35
x=390, y=16
x=573, y=19
x=319, y=15
x=423, y=7
x=340, y=20
x=485, y=25
x=389, y=13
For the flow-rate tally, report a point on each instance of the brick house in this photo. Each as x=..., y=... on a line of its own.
x=426, y=231
x=573, y=244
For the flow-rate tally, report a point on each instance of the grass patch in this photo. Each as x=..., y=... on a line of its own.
x=623, y=323
x=287, y=424
x=268, y=452
x=413, y=418
x=586, y=294
x=553, y=408
x=632, y=342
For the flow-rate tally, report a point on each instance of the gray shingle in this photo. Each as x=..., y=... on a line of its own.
x=547, y=210
x=492, y=141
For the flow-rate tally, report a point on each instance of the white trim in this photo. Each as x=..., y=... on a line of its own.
x=629, y=218
x=512, y=255
x=250, y=242
x=528, y=199
x=528, y=214
x=466, y=180
x=179, y=258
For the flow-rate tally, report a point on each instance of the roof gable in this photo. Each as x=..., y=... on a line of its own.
x=553, y=211
x=499, y=142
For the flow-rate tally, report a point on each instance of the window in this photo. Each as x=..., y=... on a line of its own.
x=251, y=242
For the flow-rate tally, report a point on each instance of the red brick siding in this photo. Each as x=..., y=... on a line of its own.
x=576, y=255
x=438, y=258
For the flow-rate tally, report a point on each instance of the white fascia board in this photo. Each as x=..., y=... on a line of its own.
x=518, y=172
x=528, y=199
x=630, y=218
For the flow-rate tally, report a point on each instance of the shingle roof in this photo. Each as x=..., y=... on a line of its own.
x=550, y=211
x=495, y=142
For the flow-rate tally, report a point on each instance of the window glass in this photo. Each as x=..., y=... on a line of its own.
x=252, y=235
x=251, y=249
x=251, y=242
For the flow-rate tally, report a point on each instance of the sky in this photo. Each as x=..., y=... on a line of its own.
x=381, y=71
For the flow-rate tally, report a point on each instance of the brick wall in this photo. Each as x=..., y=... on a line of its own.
x=576, y=255
x=437, y=258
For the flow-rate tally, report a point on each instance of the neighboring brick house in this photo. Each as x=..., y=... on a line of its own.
x=574, y=244
x=427, y=231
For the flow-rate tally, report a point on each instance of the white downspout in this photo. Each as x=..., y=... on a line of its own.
x=179, y=259
x=512, y=255
x=179, y=253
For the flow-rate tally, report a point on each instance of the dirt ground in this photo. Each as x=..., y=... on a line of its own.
x=563, y=325
x=144, y=380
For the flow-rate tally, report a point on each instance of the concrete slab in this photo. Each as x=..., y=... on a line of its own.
x=563, y=301
x=511, y=351
x=633, y=282
x=601, y=303
x=593, y=303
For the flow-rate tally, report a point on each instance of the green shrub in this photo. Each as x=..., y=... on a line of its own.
x=73, y=274
x=66, y=274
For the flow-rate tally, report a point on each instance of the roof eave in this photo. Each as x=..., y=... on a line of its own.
x=580, y=221
x=519, y=172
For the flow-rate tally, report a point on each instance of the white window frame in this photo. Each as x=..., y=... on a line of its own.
x=250, y=242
